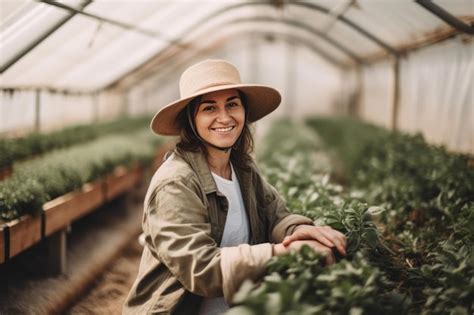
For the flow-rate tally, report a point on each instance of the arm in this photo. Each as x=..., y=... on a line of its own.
x=178, y=234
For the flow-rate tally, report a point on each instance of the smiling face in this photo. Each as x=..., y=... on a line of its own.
x=220, y=117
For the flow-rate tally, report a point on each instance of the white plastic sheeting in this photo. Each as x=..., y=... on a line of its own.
x=85, y=54
x=437, y=97
x=436, y=94
x=122, y=68
x=377, y=94
x=17, y=111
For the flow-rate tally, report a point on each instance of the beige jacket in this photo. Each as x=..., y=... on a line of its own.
x=183, y=221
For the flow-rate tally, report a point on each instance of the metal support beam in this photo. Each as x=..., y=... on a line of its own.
x=396, y=93
x=164, y=56
x=95, y=104
x=120, y=24
x=290, y=77
x=37, y=126
x=338, y=11
x=353, y=25
x=303, y=4
x=35, y=43
x=166, y=71
x=300, y=25
x=446, y=16
x=356, y=100
x=307, y=5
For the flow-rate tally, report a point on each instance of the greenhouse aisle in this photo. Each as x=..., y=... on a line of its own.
x=97, y=240
x=108, y=292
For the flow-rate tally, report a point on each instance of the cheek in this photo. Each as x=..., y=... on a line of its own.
x=202, y=123
x=240, y=116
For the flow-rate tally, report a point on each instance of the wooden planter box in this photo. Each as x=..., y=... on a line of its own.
x=2, y=244
x=121, y=181
x=6, y=172
x=63, y=210
x=23, y=233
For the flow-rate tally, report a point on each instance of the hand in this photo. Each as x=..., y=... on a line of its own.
x=280, y=249
x=323, y=234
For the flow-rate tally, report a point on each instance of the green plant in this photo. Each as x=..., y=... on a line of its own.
x=61, y=171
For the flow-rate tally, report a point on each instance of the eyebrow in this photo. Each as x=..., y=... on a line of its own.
x=213, y=102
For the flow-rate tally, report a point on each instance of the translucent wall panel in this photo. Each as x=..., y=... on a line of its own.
x=111, y=104
x=377, y=93
x=317, y=86
x=17, y=111
x=437, y=97
x=60, y=110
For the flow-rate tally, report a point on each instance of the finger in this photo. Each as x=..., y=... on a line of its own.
x=327, y=252
x=334, y=237
x=330, y=259
x=336, y=234
x=286, y=241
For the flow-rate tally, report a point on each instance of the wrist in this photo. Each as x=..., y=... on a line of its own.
x=278, y=249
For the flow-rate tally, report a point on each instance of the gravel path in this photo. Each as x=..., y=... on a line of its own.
x=109, y=291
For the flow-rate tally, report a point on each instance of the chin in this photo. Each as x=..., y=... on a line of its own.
x=223, y=144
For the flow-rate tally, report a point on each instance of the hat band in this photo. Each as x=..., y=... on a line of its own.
x=201, y=88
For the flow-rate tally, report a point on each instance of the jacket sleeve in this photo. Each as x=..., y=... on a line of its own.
x=177, y=232
x=281, y=221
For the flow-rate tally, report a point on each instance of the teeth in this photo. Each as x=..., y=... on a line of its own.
x=223, y=129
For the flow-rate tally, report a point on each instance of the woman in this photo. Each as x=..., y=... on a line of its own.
x=210, y=220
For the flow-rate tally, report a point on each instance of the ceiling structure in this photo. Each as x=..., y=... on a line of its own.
x=87, y=46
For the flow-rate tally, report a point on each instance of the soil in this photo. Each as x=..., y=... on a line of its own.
x=109, y=291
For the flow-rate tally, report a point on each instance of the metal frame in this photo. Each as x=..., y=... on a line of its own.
x=178, y=39
x=218, y=42
x=293, y=23
x=102, y=19
x=35, y=43
x=446, y=16
x=307, y=5
x=300, y=25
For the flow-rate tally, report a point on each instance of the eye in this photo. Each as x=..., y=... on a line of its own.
x=208, y=108
x=232, y=104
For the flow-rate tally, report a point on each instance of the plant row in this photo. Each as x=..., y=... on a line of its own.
x=293, y=160
x=39, y=180
x=15, y=149
x=429, y=196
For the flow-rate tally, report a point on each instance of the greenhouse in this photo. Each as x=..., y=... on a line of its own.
x=237, y=157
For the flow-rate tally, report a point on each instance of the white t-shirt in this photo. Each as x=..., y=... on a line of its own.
x=236, y=232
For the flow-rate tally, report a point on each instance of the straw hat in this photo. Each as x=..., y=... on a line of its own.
x=210, y=76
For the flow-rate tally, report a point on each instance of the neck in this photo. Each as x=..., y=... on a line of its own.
x=219, y=162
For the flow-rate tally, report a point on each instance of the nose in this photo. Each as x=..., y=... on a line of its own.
x=223, y=116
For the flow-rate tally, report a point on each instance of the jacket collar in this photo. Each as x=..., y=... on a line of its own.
x=198, y=163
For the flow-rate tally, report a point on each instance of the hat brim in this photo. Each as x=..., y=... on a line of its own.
x=261, y=101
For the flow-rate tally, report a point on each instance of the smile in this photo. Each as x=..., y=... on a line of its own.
x=223, y=130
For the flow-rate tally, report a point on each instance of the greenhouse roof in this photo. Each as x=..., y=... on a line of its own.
x=83, y=45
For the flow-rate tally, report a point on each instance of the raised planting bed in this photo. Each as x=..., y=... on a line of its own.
x=63, y=210
x=121, y=180
x=2, y=243
x=20, y=234
x=5, y=171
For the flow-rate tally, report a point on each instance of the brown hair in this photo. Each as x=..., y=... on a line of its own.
x=240, y=155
